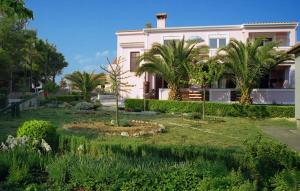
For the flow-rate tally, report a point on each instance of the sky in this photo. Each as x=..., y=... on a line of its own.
x=84, y=30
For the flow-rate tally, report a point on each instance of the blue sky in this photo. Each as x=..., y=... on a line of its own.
x=84, y=30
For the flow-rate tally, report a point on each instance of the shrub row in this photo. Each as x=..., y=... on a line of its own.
x=61, y=98
x=258, y=162
x=66, y=98
x=3, y=100
x=211, y=108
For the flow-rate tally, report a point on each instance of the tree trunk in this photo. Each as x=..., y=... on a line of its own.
x=203, y=103
x=175, y=93
x=117, y=110
x=30, y=78
x=53, y=78
x=11, y=82
x=245, y=96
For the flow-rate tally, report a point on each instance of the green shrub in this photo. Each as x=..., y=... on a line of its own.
x=211, y=108
x=69, y=98
x=18, y=173
x=264, y=158
x=3, y=100
x=50, y=87
x=84, y=106
x=3, y=97
x=64, y=98
x=58, y=170
x=39, y=129
x=286, y=180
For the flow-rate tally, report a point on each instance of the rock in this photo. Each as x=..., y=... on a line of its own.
x=124, y=134
x=136, y=134
x=142, y=133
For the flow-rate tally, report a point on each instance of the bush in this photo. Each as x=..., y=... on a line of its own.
x=3, y=100
x=64, y=98
x=84, y=106
x=286, y=180
x=39, y=129
x=264, y=158
x=50, y=87
x=211, y=108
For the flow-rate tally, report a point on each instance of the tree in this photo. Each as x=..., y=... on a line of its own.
x=15, y=7
x=116, y=78
x=249, y=62
x=85, y=82
x=168, y=61
x=203, y=73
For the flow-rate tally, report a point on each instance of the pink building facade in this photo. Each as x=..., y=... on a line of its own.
x=131, y=44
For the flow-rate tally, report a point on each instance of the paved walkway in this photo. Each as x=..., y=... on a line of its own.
x=288, y=136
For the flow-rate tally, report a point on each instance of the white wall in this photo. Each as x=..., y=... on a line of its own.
x=260, y=96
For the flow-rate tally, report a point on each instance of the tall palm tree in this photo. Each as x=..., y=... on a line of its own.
x=168, y=61
x=249, y=62
x=86, y=82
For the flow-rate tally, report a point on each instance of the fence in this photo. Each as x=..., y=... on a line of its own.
x=259, y=96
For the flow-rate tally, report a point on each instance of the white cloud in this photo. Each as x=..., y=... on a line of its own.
x=91, y=63
x=102, y=54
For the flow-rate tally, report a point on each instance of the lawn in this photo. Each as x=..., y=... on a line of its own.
x=181, y=131
x=190, y=155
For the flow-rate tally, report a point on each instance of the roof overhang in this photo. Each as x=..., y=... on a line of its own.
x=132, y=45
x=192, y=28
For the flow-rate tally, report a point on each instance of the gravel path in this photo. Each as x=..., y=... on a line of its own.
x=288, y=136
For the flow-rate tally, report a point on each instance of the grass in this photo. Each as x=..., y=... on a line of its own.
x=225, y=132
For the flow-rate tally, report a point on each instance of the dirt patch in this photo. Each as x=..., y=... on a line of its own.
x=137, y=128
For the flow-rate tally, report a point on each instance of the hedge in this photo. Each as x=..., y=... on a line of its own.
x=65, y=98
x=3, y=100
x=211, y=108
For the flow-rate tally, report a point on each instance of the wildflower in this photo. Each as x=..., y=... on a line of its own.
x=80, y=149
x=3, y=147
x=35, y=142
x=45, y=146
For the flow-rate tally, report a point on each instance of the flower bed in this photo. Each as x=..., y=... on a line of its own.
x=135, y=128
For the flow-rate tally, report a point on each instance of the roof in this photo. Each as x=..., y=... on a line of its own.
x=215, y=27
x=295, y=49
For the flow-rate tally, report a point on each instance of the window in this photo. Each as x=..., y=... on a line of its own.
x=267, y=40
x=166, y=42
x=222, y=42
x=133, y=60
x=217, y=42
x=213, y=43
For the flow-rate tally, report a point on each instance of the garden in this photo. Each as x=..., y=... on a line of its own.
x=71, y=141
x=39, y=152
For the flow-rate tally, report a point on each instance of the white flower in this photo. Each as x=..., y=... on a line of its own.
x=3, y=147
x=35, y=142
x=45, y=146
x=80, y=148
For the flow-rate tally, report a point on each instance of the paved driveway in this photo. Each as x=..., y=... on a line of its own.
x=288, y=136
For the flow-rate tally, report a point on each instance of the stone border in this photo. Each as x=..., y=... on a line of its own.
x=161, y=129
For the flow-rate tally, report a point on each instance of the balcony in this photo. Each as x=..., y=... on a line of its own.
x=282, y=37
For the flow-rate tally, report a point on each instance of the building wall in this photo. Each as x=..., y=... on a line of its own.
x=297, y=90
x=142, y=41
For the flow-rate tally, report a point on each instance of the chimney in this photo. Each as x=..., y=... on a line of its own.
x=161, y=20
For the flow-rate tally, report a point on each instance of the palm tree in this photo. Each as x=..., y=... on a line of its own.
x=86, y=82
x=168, y=61
x=249, y=62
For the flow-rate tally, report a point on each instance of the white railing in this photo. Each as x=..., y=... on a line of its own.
x=163, y=93
x=259, y=96
x=273, y=96
x=220, y=95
